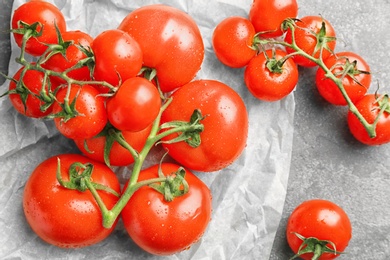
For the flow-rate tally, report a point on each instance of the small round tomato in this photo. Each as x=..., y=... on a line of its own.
x=233, y=41
x=354, y=73
x=319, y=220
x=163, y=227
x=225, y=125
x=65, y=217
x=48, y=15
x=90, y=115
x=134, y=106
x=267, y=16
x=310, y=38
x=369, y=107
x=118, y=57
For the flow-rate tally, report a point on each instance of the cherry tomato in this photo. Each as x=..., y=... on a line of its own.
x=320, y=219
x=47, y=15
x=225, y=125
x=354, y=72
x=269, y=80
x=91, y=116
x=170, y=40
x=118, y=57
x=134, y=106
x=369, y=107
x=268, y=15
x=233, y=41
x=65, y=217
x=305, y=37
x=163, y=227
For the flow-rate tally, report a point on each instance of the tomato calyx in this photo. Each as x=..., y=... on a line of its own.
x=273, y=64
x=349, y=69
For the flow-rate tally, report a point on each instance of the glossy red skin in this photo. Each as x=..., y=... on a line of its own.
x=232, y=41
x=225, y=126
x=33, y=80
x=63, y=217
x=119, y=156
x=92, y=117
x=164, y=228
x=369, y=109
x=261, y=19
x=323, y=220
x=270, y=86
x=134, y=106
x=116, y=52
x=170, y=40
x=45, y=13
x=307, y=41
x=329, y=90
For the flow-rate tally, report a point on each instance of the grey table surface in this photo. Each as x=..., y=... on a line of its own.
x=326, y=160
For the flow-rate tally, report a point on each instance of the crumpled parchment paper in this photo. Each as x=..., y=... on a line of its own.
x=248, y=196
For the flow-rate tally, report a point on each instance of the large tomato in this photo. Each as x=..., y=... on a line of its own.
x=170, y=40
x=225, y=125
x=65, y=217
x=163, y=227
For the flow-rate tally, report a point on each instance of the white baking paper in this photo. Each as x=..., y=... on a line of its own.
x=248, y=196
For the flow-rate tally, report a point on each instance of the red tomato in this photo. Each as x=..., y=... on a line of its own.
x=64, y=217
x=134, y=106
x=320, y=219
x=170, y=41
x=118, y=57
x=356, y=81
x=268, y=15
x=164, y=228
x=47, y=15
x=369, y=107
x=307, y=29
x=225, y=126
x=91, y=115
x=271, y=84
x=233, y=41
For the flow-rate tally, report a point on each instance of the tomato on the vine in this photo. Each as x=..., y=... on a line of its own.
x=65, y=217
x=164, y=227
x=316, y=221
x=271, y=77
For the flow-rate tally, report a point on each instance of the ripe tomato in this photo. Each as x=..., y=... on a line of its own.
x=225, y=125
x=164, y=228
x=356, y=79
x=64, y=217
x=91, y=115
x=369, y=107
x=118, y=57
x=47, y=15
x=170, y=40
x=271, y=83
x=307, y=29
x=268, y=15
x=233, y=41
x=321, y=219
x=134, y=106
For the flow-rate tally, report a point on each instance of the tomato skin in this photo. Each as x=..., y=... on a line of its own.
x=259, y=15
x=232, y=41
x=45, y=13
x=329, y=90
x=164, y=228
x=69, y=219
x=170, y=40
x=267, y=85
x=369, y=109
x=135, y=105
x=92, y=114
x=225, y=126
x=323, y=220
x=307, y=41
